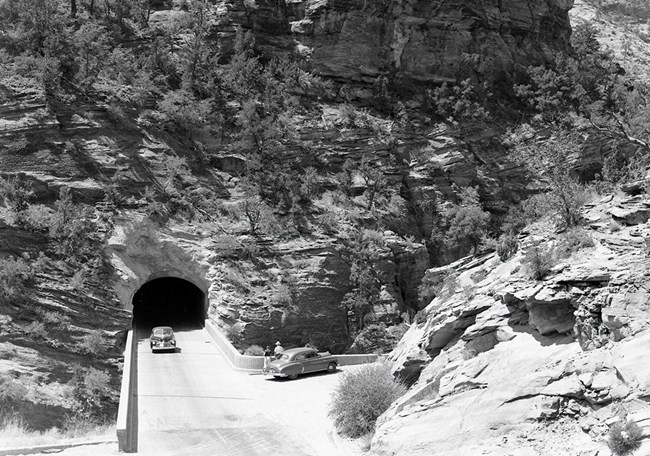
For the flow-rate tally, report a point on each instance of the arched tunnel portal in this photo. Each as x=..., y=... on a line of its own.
x=169, y=301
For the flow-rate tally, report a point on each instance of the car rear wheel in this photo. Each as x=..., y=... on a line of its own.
x=331, y=367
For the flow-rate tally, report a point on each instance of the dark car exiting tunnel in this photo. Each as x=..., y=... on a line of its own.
x=169, y=301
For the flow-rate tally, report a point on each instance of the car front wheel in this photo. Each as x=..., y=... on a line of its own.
x=292, y=376
x=331, y=367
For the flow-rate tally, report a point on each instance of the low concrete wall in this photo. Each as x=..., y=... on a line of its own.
x=256, y=363
x=126, y=432
x=348, y=360
x=236, y=359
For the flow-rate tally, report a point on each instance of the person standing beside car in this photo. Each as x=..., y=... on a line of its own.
x=268, y=354
x=277, y=351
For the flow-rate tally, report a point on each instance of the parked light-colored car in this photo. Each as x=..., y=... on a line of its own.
x=162, y=338
x=296, y=361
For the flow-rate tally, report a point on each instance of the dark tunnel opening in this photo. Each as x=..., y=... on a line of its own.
x=168, y=301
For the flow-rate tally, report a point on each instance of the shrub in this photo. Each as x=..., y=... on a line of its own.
x=507, y=246
x=92, y=343
x=16, y=195
x=53, y=318
x=573, y=240
x=16, y=277
x=74, y=230
x=38, y=217
x=466, y=222
x=235, y=333
x=91, y=389
x=77, y=280
x=361, y=397
x=182, y=108
x=539, y=260
x=624, y=439
x=36, y=330
x=11, y=390
x=254, y=350
x=462, y=101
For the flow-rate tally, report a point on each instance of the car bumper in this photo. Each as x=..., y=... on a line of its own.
x=163, y=346
x=276, y=373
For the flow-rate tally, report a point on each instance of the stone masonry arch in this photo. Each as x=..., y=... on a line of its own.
x=153, y=265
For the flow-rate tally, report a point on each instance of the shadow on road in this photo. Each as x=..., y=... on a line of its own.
x=301, y=376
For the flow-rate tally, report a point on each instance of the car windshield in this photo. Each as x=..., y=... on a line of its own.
x=162, y=332
x=284, y=357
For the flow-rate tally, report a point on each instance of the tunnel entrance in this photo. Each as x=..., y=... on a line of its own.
x=169, y=301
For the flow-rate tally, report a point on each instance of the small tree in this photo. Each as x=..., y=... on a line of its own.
x=16, y=196
x=466, y=222
x=364, y=250
x=16, y=279
x=550, y=159
x=90, y=388
x=75, y=230
x=539, y=260
x=185, y=110
x=374, y=179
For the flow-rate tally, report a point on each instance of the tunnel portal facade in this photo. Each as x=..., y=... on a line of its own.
x=169, y=301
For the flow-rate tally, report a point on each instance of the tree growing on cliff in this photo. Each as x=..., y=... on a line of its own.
x=465, y=223
x=16, y=196
x=590, y=88
x=76, y=233
x=364, y=250
x=550, y=158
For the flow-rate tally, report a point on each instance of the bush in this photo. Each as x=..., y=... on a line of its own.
x=52, y=318
x=625, y=438
x=36, y=330
x=361, y=397
x=573, y=240
x=466, y=222
x=539, y=260
x=16, y=278
x=12, y=390
x=235, y=333
x=90, y=389
x=254, y=350
x=507, y=246
x=92, y=343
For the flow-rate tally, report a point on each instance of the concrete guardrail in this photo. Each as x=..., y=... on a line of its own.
x=127, y=410
x=256, y=363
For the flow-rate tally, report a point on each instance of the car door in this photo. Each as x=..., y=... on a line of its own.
x=313, y=362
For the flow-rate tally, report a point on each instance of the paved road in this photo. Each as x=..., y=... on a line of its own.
x=191, y=402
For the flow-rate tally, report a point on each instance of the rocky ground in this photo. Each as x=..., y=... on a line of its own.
x=512, y=365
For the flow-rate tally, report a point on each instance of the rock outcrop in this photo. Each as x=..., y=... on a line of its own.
x=93, y=147
x=510, y=365
x=416, y=41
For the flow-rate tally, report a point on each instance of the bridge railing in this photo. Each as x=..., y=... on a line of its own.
x=256, y=363
x=127, y=411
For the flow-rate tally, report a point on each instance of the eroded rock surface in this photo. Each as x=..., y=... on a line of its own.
x=511, y=365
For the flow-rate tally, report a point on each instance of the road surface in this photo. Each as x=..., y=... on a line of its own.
x=191, y=402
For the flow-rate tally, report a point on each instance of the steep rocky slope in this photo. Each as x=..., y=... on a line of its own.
x=274, y=286
x=96, y=150
x=510, y=365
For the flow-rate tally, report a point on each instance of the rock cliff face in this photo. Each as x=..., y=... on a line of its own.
x=89, y=148
x=413, y=40
x=509, y=365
